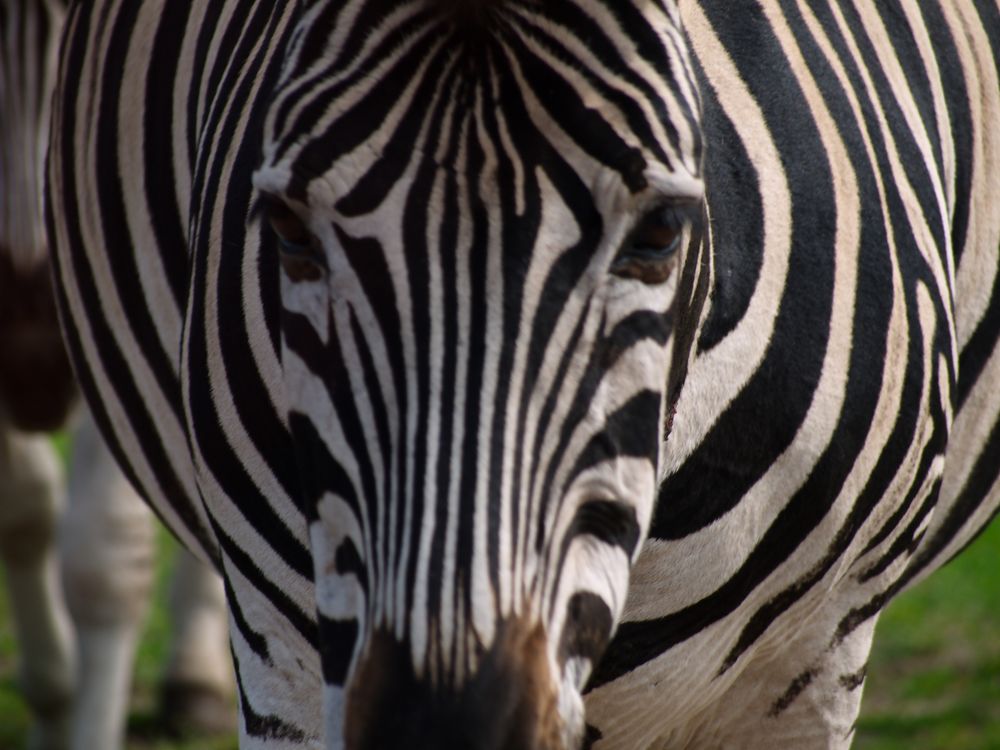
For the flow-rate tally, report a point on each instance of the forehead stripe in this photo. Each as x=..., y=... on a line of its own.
x=609, y=56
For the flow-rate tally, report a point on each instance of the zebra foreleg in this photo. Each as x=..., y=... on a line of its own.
x=30, y=500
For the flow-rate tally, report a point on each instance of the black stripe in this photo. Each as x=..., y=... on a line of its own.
x=243, y=562
x=449, y=366
x=266, y=726
x=122, y=261
x=571, y=20
x=371, y=189
x=354, y=127
x=737, y=215
x=984, y=475
x=113, y=364
x=763, y=419
x=158, y=122
x=319, y=470
x=584, y=124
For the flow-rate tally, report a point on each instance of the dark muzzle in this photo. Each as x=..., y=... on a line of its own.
x=508, y=703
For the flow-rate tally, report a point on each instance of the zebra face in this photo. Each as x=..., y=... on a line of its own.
x=482, y=219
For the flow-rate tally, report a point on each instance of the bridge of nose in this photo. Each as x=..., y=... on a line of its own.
x=508, y=702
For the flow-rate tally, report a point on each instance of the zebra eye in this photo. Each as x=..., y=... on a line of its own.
x=301, y=253
x=650, y=252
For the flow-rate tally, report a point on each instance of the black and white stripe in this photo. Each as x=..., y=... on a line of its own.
x=825, y=452
x=376, y=301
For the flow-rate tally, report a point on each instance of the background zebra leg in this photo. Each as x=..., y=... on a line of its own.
x=109, y=552
x=30, y=500
x=108, y=556
x=198, y=687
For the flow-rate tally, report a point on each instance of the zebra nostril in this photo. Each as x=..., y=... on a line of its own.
x=587, y=629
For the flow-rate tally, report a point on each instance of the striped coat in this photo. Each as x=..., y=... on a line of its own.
x=388, y=306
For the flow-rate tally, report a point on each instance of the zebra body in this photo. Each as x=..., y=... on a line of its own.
x=316, y=405
x=853, y=432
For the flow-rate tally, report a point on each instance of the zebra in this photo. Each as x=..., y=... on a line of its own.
x=79, y=573
x=541, y=374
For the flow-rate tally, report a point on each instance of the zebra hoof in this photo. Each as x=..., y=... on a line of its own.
x=188, y=708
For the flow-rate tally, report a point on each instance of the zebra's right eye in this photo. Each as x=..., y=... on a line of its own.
x=301, y=252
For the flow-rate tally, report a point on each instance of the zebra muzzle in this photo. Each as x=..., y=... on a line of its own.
x=508, y=702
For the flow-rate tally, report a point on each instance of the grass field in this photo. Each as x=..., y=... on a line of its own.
x=934, y=677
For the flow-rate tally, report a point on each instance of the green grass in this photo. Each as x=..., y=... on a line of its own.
x=13, y=718
x=934, y=677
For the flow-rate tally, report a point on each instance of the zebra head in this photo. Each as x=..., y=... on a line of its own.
x=486, y=215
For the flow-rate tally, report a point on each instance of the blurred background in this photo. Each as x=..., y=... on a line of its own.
x=933, y=679
x=145, y=731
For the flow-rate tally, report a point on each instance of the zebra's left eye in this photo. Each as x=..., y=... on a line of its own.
x=650, y=252
x=301, y=252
